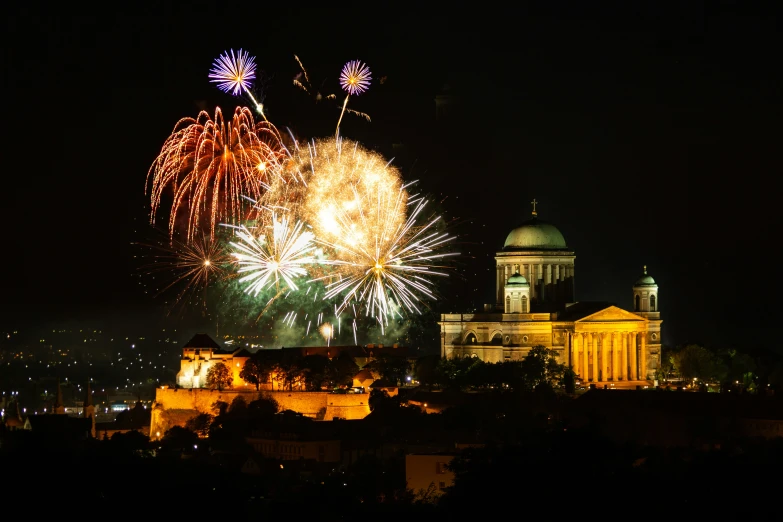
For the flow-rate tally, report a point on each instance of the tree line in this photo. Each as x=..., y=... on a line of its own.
x=723, y=370
x=317, y=372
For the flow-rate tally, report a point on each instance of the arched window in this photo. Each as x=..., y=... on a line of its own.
x=638, y=300
x=508, y=304
x=652, y=303
x=524, y=304
x=497, y=339
x=471, y=339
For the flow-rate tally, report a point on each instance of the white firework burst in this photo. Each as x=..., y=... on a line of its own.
x=272, y=256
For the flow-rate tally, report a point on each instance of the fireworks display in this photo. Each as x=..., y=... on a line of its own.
x=388, y=272
x=302, y=81
x=354, y=79
x=210, y=165
x=320, y=238
x=270, y=256
x=187, y=267
x=233, y=73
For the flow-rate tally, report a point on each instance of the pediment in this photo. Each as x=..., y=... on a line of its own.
x=612, y=313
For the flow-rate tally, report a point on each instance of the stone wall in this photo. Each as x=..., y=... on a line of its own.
x=173, y=407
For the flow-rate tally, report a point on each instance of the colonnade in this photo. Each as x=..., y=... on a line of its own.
x=609, y=356
x=536, y=274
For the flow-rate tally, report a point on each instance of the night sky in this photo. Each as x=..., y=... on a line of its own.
x=648, y=136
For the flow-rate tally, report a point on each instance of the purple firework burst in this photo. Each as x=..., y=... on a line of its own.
x=355, y=78
x=233, y=73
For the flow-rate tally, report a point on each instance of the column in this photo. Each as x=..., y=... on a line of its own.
x=585, y=344
x=500, y=283
x=540, y=282
x=643, y=355
x=615, y=362
x=594, y=353
x=604, y=356
x=624, y=357
x=632, y=352
x=572, y=355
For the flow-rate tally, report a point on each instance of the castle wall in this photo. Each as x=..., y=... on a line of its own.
x=173, y=407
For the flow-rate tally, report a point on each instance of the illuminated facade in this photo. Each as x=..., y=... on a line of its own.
x=536, y=305
x=200, y=354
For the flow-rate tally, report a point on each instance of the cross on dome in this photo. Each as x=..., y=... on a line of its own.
x=534, y=206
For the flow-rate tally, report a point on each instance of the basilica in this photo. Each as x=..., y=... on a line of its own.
x=535, y=305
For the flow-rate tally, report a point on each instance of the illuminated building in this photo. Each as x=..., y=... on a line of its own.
x=200, y=354
x=429, y=472
x=535, y=305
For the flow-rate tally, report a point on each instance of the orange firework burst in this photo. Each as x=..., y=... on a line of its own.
x=211, y=165
x=189, y=268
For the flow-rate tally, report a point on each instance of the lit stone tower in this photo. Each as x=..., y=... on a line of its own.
x=537, y=251
x=648, y=344
x=517, y=292
x=645, y=294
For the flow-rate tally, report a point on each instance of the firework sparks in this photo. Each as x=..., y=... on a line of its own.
x=390, y=271
x=211, y=165
x=302, y=80
x=233, y=73
x=194, y=265
x=332, y=179
x=354, y=79
x=268, y=258
x=306, y=86
x=327, y=332
x=357, y=205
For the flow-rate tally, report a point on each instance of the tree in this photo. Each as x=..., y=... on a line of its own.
x=238, y=406
x=378, y=398
x=457, y=373
x=666, y=370
x=200, y=424
x=569, y=380
x=695, y=361
x=179, y=438
x=315, y=371
x=263, y=407
x=259, y=367
x=741, y=367
x=541, y=367
x=130, y=441
x=342, y=369
x=425, y=369
x=219, y=376
x=393, y=368
x=290, y=372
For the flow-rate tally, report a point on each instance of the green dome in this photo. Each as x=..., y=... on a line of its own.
x=645, y=280
x=517, y=279
x=535, y=235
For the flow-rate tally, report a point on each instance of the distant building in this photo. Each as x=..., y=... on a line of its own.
x=200, y=354
x=429, y=472
x=59, y=428
x=136, y=419
x=12, y=419
x=535, y=305
x=362, y=355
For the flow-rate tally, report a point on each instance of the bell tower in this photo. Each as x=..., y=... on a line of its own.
x=645, y=295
